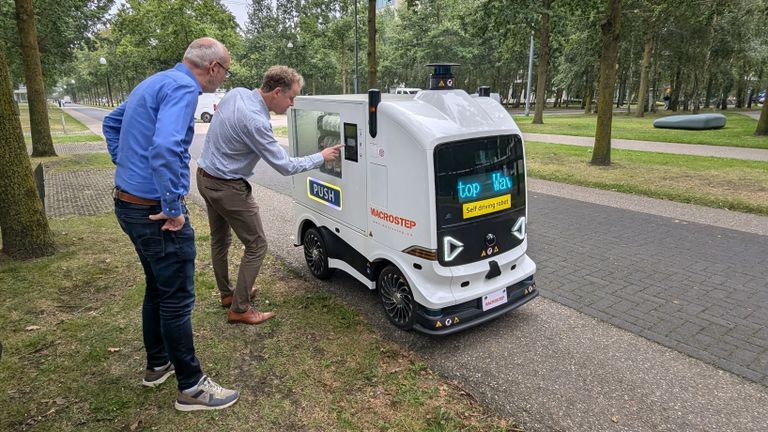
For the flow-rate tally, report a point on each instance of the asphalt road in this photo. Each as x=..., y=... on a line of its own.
x=628, y=275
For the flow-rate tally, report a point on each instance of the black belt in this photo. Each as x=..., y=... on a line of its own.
x=203, y=173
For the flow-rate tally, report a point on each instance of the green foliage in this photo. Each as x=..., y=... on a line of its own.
x=151, y=35
x=62, y=26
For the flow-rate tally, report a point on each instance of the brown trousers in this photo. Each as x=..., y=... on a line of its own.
x=230, y=204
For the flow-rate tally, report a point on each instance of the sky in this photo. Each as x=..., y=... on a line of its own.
x=239, y=9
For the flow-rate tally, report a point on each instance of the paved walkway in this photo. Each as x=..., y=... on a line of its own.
x=84, y=147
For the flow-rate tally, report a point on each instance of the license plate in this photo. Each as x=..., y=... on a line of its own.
x=496, y=298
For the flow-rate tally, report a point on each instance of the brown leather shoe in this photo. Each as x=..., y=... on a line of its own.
x=251, y=316
x=226, y=301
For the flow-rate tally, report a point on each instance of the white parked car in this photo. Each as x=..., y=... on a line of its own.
x=206, y=105
x=407, y=90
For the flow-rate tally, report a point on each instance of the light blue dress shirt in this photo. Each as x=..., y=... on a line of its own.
x=240, y=136
x=149, y=135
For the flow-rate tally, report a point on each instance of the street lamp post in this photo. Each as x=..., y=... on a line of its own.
x=530, y=76
x=103, y=61
x=290, y=54
x=357, y=74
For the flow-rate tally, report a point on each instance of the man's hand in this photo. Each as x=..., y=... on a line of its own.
x=171, y=224
x=331, y=153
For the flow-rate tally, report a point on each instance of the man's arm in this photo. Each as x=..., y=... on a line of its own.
x=168, y=153
x=263, y=142
x=111, y=126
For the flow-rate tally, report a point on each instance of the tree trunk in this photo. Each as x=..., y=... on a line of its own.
x=24, y=227
x=642, y=94
x=741, y=87
x=762, y=123
x=676, y=87
x=371, y=44
x=588, y=91
x=42, y=143
x=541, y=68
x=704, y=72
x=622, y=89
x=610, y=28
x=727, y=86
x=708, y=95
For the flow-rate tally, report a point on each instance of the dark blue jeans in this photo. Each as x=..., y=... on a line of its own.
x=168, y=258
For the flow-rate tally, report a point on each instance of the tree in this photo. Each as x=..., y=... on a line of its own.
x=42, y=143
x=610, y=29
x=762, y=123
x=371, y=44
x=24, y=227
x=541, y=70
x=642, y=93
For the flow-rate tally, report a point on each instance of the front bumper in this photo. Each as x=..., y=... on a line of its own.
x=460, y=317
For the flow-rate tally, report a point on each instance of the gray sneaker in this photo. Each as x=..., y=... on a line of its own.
x=155, y=377
x=206, y=395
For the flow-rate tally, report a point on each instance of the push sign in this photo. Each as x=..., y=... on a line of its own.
x=323, y=192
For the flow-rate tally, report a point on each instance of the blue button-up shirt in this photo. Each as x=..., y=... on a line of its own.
x=149, y=136
x=240, y=136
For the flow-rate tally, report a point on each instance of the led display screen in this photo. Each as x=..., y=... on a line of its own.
x=477, y=187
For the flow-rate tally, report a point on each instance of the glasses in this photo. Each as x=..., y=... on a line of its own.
x=227, y=74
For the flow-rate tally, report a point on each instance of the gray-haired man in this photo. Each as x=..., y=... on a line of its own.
x=148, y=138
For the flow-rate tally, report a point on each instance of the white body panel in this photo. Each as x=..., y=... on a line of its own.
x=389, y=194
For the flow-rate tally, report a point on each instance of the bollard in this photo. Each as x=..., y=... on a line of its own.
x=40, y=182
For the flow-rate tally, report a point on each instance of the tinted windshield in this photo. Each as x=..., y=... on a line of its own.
x=478, y=179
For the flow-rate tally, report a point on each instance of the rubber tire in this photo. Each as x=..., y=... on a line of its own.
x=206, y=117
x=316, y=254
x=396, y=298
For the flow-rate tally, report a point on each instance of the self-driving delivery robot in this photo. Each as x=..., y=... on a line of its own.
x=427, y=204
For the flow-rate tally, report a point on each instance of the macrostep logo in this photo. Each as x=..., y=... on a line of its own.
x=394, y=220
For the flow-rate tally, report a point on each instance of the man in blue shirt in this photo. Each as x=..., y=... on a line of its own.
x=148, y=138
x=240, y=136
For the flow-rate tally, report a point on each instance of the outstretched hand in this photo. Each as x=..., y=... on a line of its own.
x=331, y=153
x=171, y=224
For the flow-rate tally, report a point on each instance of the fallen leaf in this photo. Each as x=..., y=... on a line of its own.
x=615, y=419
x=32, y=327
x=60, y=401
x=113, y=350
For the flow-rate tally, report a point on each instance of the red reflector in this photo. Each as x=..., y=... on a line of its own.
x=372, y=109
x=214, y=107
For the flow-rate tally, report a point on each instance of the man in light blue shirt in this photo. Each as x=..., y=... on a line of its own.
x=240, y=136
x=148, y=138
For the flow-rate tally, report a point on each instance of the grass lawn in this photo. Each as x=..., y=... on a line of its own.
x=738, y=131
x=70, y=131
x=73, y=355
x=714, y=182
x=75, y=162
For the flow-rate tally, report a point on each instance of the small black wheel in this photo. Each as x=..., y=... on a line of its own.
x=206, y=117
x=316, y=254
x=396, y=297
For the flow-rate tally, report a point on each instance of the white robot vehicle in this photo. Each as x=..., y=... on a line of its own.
x=427, y=204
